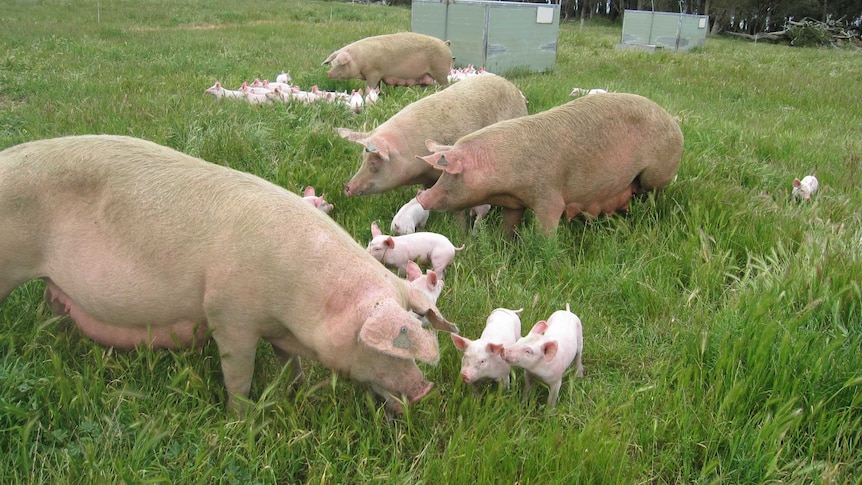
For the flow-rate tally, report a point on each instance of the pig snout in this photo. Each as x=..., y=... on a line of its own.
x=350, y=191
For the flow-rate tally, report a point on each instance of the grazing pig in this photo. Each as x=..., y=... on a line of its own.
x=805, y=188
x=112, y=226
x=410, y=216
x=397, y=251
x=428, y=283
x=587, y=156
x=548, y=350
x=317, y=201
x=391, y=148
x=483, y=357
x=220, y=92
x=401, y=59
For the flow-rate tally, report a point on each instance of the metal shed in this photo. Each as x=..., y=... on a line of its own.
x=499, y=36
x=650, y=30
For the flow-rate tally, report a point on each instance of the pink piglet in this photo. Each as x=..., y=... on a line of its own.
x=422, y=247
x=548, y=350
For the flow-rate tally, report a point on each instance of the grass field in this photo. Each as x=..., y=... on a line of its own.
x=722, y=321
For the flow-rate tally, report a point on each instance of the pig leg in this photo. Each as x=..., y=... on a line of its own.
x=554, y=393
x=288, y=350
x=548, y=213
x=237, y=351
x=528, y=383
x=579, y=367
x=511, y=219
x=655, y=176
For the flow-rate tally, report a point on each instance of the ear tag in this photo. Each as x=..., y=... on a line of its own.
x=442, y=161
x=402, y=341
x=370, y=148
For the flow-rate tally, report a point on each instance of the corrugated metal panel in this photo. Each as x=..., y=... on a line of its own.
x=680, y=32
x=499, y=36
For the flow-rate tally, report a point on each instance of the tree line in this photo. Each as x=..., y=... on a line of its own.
x=746, y=16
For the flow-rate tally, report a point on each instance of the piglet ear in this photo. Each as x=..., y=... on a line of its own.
x=394, y=331
x=493, y=348
x=549, y=348
x=797, y=182
x=540, y=327
x=375, y=230
x=460, y=342
x=309, y=192
x=413, y=271
x=389, y=242
x=432, y=279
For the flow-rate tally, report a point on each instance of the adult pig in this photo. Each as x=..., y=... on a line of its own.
x=588, y=156
x=401, y=59
x=391, y=148
x=140, y=244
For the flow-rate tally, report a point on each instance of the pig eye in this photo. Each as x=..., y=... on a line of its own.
x=529, y=351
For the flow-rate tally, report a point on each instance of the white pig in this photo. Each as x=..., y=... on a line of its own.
x=143, y=245
x=410, y=217
x=428, y=283
x=548, y=350
x=483, y=357
x=220, y=92
x=317, y=201
x=805, y=188
x=397, y=251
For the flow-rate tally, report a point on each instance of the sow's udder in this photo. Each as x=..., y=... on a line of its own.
x=182, y=334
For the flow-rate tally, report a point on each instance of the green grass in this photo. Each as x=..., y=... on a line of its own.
x=722, y=321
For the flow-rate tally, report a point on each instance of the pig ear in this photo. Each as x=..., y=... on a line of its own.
x=493, y=348
x=549, y=349
x=389, y=242
x=433, y=146
x=377, y=145
x=351, y=135
x=413, y=271
x=460, y=342
x=309, y=192
x=394, y=331
x=375, y=230
x=539, y=327
x=419, y=303
x=797, y=182
x=440, y=162
x=341, y=58
x=330, y=58
x=432, y=279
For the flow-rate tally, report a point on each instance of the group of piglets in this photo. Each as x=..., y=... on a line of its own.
x=545, y=353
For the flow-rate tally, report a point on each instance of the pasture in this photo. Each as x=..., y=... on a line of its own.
x=722, y=321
